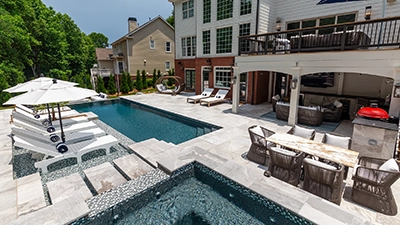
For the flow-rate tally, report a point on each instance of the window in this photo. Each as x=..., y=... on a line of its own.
x=190, y=79
x=224, y=40
x=168, y=47
x=223, y=76
x=189, y=46
x=121, y=67
x=152, y=44
x=207, y=11
x=188, y=9
x=331, y=20
x=244, y=29
x=245, y=7
x=224, y=9
x=206, y=42
x=167, y=66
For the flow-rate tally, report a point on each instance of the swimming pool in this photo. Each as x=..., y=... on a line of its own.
x=198, y=195
x=140, y=122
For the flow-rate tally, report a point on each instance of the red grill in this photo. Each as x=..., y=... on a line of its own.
x=373, y=112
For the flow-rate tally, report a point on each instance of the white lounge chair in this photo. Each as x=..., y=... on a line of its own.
x=219, y=97
x=100, y=96
x=43, y=130
x=54, y=139
x=205, y=94
x=73, y=118
x=75, y=150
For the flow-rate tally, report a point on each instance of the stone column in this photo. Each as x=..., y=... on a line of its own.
x=294, y=96
x=235, y=90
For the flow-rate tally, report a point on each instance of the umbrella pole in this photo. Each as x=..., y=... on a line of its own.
x=61, y=126
x=48, y=111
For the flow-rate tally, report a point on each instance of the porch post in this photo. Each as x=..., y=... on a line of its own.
x=294, y=96
x=394, y=108
x=235, y=89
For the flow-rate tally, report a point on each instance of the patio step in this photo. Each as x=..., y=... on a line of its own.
x=30, y=196
x=104, y=177
x=132, y=166
x=67, y=187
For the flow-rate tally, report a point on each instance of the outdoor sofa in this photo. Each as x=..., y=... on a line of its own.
x=307, y=115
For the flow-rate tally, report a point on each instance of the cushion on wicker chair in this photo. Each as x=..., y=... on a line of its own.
x=285, y=152
x=257, y=130
x=390, y=165
x=342, y=142
x=302, y=132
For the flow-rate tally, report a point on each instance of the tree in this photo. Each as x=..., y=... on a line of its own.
x=144, y=80
x=100, y=85
x=139, y=83
x=154, y=77
x=129, y=81
x=124, y=85
x=112, y=89
x=171, y=19
x=99, y=40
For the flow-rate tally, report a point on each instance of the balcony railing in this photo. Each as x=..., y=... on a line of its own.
x=102, y=72
x=372, y=34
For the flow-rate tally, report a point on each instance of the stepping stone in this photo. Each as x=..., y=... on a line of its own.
x=132, y=166
x=30, y=196
x=66, y=187
x=104, y=177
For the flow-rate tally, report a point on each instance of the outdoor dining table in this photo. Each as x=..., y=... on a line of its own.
x=315, y=148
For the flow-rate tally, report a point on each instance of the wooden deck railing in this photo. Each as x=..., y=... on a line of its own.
x=372, y=34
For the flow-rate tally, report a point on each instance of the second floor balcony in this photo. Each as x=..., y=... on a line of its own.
x=102, y=72
x=364, y=35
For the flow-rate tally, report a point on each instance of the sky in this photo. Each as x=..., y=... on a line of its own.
x=110, y=17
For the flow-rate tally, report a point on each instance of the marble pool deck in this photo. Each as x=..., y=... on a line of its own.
x=223, y=150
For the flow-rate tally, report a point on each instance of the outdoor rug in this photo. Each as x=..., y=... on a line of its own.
x=324, y=127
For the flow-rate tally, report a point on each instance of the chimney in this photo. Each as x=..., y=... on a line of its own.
x=132, y=24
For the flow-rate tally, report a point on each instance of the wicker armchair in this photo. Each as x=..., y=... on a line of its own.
x=323, y=180
x=285, y=165
x=302, y=132
x=258, y=152
x=371, y=187
x=339, y=141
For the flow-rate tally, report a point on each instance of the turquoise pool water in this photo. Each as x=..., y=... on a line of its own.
x=140, y=122
x=196, y=195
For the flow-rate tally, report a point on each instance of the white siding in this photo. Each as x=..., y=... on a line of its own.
x=267, y=16
x=184, y=27
x=289, y=10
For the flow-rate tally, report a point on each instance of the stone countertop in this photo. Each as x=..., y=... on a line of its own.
x=376, y=123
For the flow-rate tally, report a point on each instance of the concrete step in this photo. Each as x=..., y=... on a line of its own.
x=66, y=187
x=30, y=196
x=104, y=177
x=132, y=166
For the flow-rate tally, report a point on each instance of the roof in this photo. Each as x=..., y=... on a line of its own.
x=141, y=27
x=103, y=53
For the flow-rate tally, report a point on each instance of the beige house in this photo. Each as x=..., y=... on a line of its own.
x=146, y=47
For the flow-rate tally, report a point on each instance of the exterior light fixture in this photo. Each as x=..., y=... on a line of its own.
x=368, y=12
x=144, y=62
x=278, y=24
x=293, y=83
x=233, y=80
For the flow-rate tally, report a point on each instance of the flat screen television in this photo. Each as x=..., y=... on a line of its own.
x=322, y=80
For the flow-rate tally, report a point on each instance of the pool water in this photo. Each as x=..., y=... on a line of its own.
x=196, y=195
x=140, y=122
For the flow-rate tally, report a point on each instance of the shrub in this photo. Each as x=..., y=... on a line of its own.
x=100, y=85
x=154, y=77
x=129, y=82
x=139, y=83
x=124, y=85
x=144, y=81
x=112, y=89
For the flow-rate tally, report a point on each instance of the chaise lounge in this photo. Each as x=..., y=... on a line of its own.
x=76, y=150
x=205, y=94
x=219, y=97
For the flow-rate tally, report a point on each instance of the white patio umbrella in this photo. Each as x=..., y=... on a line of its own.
x=36, y=84
x=52, y=93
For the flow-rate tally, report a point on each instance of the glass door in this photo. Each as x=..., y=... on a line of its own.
x=190, y=79
x=205, y=78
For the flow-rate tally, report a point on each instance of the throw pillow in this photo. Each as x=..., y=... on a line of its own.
x=302, y=132
x=342, y=142
x=390, y=165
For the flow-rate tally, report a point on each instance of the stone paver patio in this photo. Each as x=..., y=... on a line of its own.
x=222, y=150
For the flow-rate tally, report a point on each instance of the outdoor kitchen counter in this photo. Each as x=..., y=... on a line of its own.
x=374, y=138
